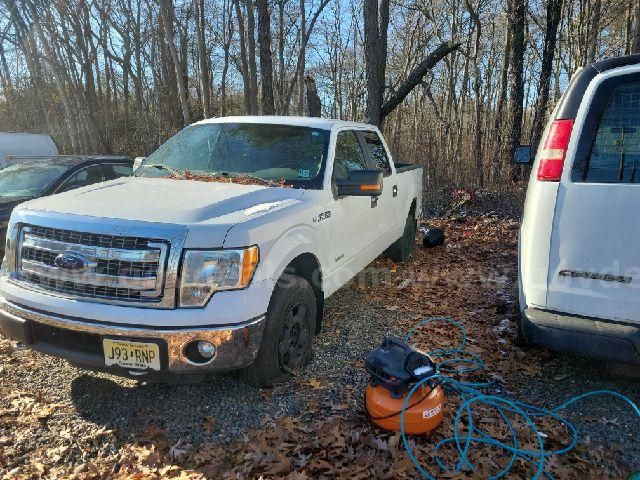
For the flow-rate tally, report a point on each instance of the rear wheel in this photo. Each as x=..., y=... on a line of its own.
x=288, y=336
x=401, y=249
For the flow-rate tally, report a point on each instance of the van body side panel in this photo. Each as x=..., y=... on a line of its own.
x=534, y=244
x=534, y=238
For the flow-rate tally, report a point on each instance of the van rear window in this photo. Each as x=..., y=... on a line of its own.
x=615, y=153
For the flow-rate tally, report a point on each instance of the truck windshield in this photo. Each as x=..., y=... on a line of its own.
x=271, y=152
x=29, y=179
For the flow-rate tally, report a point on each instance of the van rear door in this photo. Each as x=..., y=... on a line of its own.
x=594, y=262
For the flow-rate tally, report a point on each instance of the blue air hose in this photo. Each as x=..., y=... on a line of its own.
x=458, y=361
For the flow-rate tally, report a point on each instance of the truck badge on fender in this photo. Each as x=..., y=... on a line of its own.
x=321, y=216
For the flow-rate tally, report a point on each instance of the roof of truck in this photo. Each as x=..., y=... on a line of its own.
x=70, y=160
x=312, y=122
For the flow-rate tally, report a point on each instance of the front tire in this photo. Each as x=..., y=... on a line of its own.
x=401, y=249
x=288, y=336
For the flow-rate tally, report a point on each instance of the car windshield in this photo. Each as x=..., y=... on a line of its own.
x=269, y=152
x=28, y=179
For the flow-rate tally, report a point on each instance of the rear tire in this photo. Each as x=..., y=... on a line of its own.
x=288, y=335
x=401, y=248
x=522, y=339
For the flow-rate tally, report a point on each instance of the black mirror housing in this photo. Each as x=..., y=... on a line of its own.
x=522, y=155
x=360, y=183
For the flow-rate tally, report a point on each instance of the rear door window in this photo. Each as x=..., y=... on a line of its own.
x=86, y=176
x=117, y=170
x=378, y=152
x=349, y=155
x=615, y=152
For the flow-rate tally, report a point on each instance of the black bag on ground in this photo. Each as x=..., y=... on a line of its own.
x=433, y=237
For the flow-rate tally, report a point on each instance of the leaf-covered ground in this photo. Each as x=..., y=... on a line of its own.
x=60, y=422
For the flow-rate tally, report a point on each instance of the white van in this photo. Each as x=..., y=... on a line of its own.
x=579, y=244
x=24, y=144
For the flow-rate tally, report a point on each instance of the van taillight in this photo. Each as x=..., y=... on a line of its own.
x=554, y=151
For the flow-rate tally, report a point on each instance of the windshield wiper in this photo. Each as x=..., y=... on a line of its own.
x=266, y=181
x=160, y=166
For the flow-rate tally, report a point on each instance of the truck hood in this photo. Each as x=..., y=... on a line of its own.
x=161, y=200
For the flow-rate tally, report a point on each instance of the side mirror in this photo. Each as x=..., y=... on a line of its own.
x=522, y=155
x=137, y=162
x=360, y=183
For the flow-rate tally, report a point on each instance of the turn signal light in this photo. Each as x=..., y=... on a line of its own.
x=554, y=151
x=250, y=260
x=369, y=187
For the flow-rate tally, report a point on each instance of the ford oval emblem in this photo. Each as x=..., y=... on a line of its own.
x=71, y=261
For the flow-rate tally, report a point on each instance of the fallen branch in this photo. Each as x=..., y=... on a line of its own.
x=416, y=75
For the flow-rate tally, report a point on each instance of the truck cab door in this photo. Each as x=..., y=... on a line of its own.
x=353, y=220
x=386, y=205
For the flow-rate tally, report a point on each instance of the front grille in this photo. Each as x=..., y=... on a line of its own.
x=82, y=289
x=91, y=239
x=105, y=267
x=128, y=269
x=113, y=267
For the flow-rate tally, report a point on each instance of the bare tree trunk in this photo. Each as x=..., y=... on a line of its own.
x=281, y=60
x=477, y=150
x=594, y=31
x=5, y=74
x=376, y=23
x=244, y=66
x=314, y=106
x=166, y=11
x=202, y=58
x=517, y=12
x=266, y=62
x=303, y=56
x=554, y=11
x=227, y=37
x=300, y=59
x=251, y=43
x=635, y=28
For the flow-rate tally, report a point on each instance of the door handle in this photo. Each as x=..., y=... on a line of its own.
x=395, y=191
x=374, y=202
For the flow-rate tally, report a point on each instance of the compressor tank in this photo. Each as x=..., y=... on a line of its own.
x=424, y=410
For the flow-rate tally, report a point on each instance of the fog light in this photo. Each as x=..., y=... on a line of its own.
x=206, y=349
x=200, y=352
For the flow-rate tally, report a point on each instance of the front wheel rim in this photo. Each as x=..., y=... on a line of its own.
x=294, y=339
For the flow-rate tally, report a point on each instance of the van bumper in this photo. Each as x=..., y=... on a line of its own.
x=584, y=336
x=80, y=342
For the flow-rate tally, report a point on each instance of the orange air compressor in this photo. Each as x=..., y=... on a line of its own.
x=394, y=368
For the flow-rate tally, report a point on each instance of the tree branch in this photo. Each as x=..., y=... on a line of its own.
x=416, y=75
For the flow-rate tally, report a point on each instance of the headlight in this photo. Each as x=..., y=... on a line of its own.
x=206, y=271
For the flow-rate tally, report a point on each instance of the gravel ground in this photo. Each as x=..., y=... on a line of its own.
x=220, y=409
x=600, y=420
x=54, y=414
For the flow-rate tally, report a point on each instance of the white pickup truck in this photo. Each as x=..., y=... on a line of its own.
x=216, y=255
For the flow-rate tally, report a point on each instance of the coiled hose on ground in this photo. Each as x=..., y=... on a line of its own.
x=468, y=434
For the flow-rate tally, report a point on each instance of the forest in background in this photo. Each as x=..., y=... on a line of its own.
x=454, y=84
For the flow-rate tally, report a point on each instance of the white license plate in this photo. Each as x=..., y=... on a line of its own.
x=131, y=354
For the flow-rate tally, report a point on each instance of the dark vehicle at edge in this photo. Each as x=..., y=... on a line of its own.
x=42, y=176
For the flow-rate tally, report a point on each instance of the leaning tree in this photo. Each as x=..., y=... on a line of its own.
x=376, y=25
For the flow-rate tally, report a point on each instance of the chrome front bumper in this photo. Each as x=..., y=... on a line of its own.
x=80, y=341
